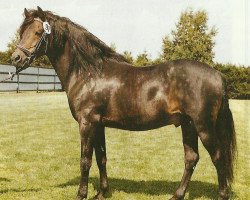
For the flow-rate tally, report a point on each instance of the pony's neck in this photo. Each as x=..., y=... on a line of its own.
x=60, y=60
x=73, y=51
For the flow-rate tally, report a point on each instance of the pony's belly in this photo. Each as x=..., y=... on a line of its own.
x=142, y=124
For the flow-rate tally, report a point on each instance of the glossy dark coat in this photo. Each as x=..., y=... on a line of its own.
x=103, y=90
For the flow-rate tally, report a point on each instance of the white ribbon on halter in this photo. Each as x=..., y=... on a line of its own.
x=46, y=26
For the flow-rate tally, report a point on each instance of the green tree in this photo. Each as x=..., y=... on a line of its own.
x=43, y=62
x=128, y=55
x=192, y=39
x=238, y=80
x=5, y=57
x=142, y=59
x=157, y=61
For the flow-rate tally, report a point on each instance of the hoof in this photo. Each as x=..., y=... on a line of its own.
x=81, y=197
x=223, y=198
x=99, y=196
x=176, y=198
x=223, y=195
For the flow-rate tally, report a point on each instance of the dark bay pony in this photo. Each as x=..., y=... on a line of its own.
x=104, y=90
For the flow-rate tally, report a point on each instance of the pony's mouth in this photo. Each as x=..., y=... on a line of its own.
x=23, y=65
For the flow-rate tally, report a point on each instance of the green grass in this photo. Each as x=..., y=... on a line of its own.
x=39, y=155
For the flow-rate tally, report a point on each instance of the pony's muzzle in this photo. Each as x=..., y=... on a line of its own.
x=15, y=58
x=18, y=58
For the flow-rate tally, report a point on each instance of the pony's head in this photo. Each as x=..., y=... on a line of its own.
x=33, y=43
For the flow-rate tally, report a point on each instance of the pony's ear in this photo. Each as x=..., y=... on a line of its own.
x=26, y=12
x=41, y=14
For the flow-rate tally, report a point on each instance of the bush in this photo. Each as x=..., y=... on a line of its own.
x=238, y=80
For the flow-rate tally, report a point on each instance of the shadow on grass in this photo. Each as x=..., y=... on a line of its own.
x=197, y=189
x=4, y=179
x=18, y=190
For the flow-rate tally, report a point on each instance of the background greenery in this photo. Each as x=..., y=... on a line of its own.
x=40, y=153
x=191, y=39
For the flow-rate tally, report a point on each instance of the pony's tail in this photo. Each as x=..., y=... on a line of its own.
x=227, y=138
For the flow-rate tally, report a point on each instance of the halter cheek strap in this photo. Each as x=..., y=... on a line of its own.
x=32, y=55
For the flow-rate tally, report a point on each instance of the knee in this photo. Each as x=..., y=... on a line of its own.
x=102, y=162
x=216, y=157
x=191, y=160
x=86, y=164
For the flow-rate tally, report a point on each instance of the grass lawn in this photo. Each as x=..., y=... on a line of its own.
x=40, y=150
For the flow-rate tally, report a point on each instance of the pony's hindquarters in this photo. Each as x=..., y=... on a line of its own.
x=218, y=136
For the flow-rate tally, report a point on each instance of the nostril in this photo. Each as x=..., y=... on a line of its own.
x=17, y=58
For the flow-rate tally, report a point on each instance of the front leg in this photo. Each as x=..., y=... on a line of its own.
x=87, y=133
x=101, y=159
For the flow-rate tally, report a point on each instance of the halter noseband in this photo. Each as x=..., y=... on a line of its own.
x=32, y=55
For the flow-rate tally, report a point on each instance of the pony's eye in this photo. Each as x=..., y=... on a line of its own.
x=37, y=33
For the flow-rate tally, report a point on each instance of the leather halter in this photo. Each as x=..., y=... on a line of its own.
x=31, y=55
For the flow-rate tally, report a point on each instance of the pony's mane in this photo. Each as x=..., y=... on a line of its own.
x=87, y=51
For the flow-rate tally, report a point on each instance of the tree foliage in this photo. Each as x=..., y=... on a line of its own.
x=142, y=59
x=5, y=57
x=129, y=57
x=192, y=39
x=238, y=80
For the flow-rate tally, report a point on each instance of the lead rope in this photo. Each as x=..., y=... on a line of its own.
x=11, y=75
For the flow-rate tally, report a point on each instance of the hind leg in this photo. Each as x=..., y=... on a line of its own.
x=211, y=143
x=190, y=143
